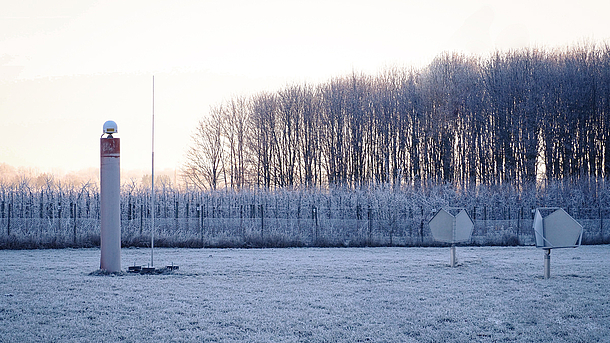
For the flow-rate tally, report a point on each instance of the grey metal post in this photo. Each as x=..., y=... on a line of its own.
x=453, y=256
x=547, y=263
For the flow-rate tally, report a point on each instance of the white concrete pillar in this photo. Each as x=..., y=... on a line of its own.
x=110, y=188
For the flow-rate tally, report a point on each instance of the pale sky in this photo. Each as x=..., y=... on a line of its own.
x=68, y=66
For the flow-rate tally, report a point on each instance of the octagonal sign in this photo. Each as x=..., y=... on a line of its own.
x=556, y=230
x=449, y=228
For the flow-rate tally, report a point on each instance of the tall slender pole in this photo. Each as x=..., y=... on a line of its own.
x=152, y=230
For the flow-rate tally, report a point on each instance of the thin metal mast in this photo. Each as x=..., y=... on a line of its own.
x=152, y=230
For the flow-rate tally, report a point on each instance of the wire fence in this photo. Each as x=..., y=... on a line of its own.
x=238, y=220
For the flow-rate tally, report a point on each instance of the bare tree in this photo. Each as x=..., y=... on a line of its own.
x=204, y=164
x=263, y=142
x=236, y=129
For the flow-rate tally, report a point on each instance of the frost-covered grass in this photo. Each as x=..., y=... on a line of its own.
x=309, y=295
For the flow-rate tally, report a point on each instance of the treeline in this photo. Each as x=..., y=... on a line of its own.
x=58, y=215
x=512, y=118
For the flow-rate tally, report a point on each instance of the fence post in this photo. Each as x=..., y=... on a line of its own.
x=186, y=214
x=241, y=221
x=519, y=219
x=176, y=212
x=59, y=218
x=358, y=218
x=262, y=223
x=8, y=222
x=73, y=209
x=2, y=213
x=141, y=218
x=370, y=226
x=392, y=219
x=314, y=216
x=200, y=216
x=421, y=226
x=485, y=220
x=601, y=225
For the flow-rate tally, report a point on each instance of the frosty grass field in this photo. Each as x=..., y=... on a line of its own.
x=309, y=295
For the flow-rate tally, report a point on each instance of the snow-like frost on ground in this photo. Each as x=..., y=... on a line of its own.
x=309, y=295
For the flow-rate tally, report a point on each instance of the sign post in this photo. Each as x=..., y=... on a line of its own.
x=555, y=230
x=452, y=225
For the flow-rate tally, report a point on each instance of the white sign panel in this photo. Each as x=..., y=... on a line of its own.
x=556, y=230
x=448, y=228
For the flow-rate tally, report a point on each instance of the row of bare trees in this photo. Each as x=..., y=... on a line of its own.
x=514, y=117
